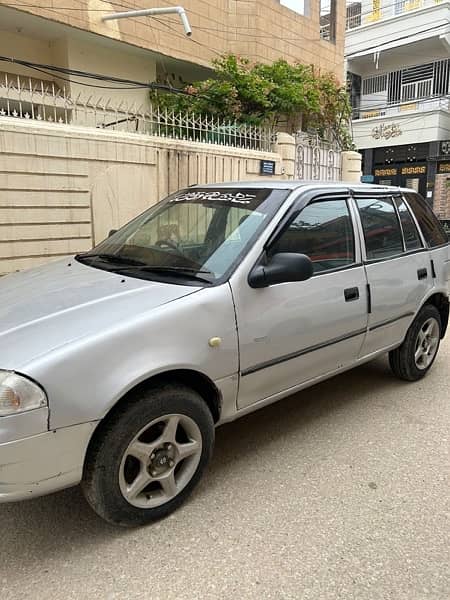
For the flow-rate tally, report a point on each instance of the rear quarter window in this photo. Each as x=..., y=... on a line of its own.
x=432, y=230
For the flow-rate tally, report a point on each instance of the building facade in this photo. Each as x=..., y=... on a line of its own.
x=156, y=49
x=398, y=72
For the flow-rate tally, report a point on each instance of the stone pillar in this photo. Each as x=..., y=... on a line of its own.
x=351, y=166
x=285, y=147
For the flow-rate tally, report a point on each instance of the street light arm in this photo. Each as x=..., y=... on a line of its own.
x=148, y=12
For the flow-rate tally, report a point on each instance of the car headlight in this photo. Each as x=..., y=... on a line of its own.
x=19, y=394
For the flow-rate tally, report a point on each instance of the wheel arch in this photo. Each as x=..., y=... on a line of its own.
x=441, y=302
x=195, y=380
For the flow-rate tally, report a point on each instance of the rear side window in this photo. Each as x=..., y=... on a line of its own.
x=410, y=233
x=382, y=232
x=432, y=230
x=323, y=231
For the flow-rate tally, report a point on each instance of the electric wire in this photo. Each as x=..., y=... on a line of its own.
x=52, y=69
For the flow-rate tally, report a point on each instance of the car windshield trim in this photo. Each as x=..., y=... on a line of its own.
x=111, y=258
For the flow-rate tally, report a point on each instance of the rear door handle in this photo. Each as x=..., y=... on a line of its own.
x=422, y=273
x=351, y=294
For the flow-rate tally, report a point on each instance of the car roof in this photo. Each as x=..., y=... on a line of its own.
x=311, y=184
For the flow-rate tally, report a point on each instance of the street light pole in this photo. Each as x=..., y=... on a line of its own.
x=148, y=12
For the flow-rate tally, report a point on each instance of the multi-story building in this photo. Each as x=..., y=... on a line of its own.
x=398, y=69
x=155, y=49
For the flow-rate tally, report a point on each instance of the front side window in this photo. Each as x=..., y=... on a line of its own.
x=381, y=228
x=410, y=233
x=324, y=232
x=194, y=234
x=432, y=230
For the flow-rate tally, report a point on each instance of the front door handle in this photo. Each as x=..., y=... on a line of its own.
x=422, y=273
x=351, y=294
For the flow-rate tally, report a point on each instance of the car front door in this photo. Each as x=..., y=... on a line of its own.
x=294, y=332
x=398, y=269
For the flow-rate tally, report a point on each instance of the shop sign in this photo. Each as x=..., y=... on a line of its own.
x=409, y=106
x=414, y=170
x=443, y=167
x=386, y=131
x=385, y=172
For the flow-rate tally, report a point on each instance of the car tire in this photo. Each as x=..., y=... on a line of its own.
x=148, y=455
x=413, y=359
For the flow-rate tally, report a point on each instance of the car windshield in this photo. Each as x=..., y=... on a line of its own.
x=196, y=234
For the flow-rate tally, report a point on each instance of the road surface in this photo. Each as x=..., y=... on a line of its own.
x=339, y=492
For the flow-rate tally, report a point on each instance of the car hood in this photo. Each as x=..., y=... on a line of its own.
x=53, y=305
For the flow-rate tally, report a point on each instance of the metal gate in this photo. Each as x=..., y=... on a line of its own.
x=316, y=159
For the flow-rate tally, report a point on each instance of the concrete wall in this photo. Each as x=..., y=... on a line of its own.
x=260, y=29
x=63, y=188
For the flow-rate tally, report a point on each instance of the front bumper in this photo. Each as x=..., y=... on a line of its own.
x=44, y=463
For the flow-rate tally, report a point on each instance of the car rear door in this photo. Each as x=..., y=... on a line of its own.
x=294, y=332
x=398, y=268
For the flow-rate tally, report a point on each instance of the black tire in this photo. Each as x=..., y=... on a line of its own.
x=104, y=463
x=402, y=360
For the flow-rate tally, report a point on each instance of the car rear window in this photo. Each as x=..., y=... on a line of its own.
x=381, y=227
x=432, y=230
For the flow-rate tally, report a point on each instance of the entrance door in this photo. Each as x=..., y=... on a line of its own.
x=293, y=332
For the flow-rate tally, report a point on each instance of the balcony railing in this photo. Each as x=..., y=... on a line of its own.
x=423, y=105
x=383, y=9
x=325, y=32
x=27, y=98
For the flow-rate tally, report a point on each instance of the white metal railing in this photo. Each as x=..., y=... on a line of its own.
x=316, y=159
x=325, y=32
x=27, y=98
x=422, y=105
x=383, y=9
x=354, y=15
x=429, y=80
x=416, y=90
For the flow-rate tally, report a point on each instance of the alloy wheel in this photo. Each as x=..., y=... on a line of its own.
x=427, y=343
x=160, y=461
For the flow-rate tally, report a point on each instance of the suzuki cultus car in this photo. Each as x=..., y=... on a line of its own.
x=117, y=364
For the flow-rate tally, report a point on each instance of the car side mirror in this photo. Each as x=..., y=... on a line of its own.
x=281, y=268
x=112, y=232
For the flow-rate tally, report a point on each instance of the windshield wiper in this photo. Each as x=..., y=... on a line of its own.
x=189, y=271
x=139, y=265
x=117, y=258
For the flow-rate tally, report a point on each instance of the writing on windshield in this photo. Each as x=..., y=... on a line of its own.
x=233, y=197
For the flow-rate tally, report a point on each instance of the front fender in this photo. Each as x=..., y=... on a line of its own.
x=86, y=378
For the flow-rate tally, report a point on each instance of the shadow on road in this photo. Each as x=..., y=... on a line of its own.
x=62, y=522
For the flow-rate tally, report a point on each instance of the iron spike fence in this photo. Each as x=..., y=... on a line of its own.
x=39, y=100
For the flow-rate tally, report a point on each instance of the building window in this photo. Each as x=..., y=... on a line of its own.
x=353, y=17
x=328, y=20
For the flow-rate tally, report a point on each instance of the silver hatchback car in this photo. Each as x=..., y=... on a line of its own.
x=117, y=364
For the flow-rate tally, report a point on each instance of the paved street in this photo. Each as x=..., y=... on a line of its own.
x=336, y=493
